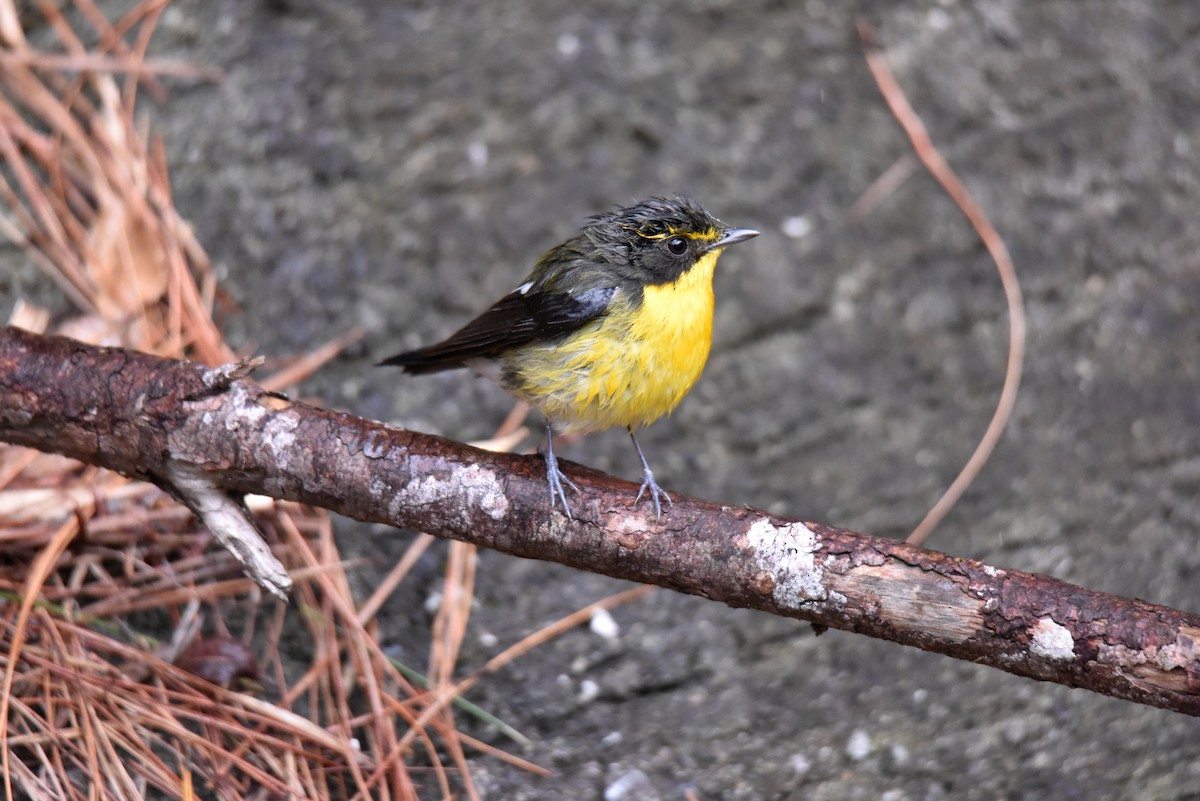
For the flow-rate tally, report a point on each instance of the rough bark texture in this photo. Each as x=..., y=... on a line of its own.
x=142, y=415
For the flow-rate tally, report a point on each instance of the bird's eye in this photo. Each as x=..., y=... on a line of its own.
x=677, y=245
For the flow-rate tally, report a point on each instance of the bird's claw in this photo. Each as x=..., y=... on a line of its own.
x=556, y=478
x=655, y=492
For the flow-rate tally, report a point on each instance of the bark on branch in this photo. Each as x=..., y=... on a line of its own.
x=147, y=417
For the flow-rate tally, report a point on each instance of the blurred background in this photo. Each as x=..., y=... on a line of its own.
x=399, y=166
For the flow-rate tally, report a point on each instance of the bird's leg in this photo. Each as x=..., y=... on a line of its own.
x=554, y=476
x=648, y=482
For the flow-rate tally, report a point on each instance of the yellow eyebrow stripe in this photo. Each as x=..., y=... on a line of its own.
x=710, y=235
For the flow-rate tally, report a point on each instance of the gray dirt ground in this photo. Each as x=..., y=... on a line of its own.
x=400, y=166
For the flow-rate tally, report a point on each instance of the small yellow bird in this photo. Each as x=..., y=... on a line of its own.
x=612, y=327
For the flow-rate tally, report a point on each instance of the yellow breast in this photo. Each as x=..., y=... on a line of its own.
x=631, y=366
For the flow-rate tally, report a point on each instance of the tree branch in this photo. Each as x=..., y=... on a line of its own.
x=145, y=417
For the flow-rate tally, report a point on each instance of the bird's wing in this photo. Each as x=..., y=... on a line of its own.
x=528, y=314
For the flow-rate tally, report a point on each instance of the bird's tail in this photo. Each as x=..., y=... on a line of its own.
x=423, y=360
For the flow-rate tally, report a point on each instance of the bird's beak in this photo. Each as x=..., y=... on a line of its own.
x=732, y=236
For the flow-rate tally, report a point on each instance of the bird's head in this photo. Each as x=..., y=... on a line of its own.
x=659, y=239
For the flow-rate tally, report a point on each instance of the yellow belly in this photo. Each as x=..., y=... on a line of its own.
x=625, y=369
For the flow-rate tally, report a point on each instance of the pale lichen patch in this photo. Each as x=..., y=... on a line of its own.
x=787, y=554
x=244, y=412
x=279, y=435
x=482, y=488
x=1183, y=652
x=1051, y=640
x=375, y=445
x=624, y=523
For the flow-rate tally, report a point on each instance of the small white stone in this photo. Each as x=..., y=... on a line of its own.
x=568, y=44
x=488, y=640
x=938, y=19
x=588, y=691
x=858, y=747
x=433, y=603
x=797, y=227
x=604, y=625
x=632, y=785
x=800, y=764
x=611, y=739
x=477, y=152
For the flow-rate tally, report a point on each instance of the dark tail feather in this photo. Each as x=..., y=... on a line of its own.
x=419, y=362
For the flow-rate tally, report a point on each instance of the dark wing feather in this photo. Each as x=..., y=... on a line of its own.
x=516, y=319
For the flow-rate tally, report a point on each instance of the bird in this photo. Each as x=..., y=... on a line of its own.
x=611, y=328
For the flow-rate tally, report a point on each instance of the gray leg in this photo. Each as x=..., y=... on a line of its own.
x=555, y=477
x=648, y=483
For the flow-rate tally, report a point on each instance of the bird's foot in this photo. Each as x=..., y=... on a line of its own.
x=655, y=492
x=556, y=479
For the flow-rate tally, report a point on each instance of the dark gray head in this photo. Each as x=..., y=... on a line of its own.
x=659, y=239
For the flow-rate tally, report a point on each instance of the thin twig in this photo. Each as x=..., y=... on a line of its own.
x=90, y=62
x=938, y=167
x=38, y=573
